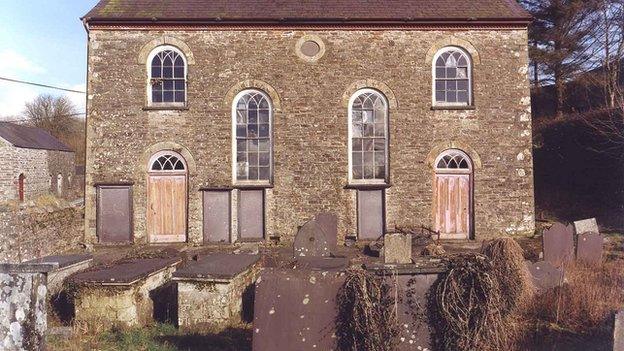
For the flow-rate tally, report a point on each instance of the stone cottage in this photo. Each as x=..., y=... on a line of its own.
x=238, y=120
x=34, y=163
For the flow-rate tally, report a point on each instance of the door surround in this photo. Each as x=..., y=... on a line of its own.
x=456, y=168
x=167, y=170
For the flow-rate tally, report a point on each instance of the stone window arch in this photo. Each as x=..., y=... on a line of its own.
x=167, y=77
x=452, y=77
x=252, y=130
x=167, y=161
x=368, y=137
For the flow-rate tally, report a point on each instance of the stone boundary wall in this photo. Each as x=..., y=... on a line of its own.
x=31, y=232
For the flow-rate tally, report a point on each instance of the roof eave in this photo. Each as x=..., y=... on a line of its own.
x=338, y=22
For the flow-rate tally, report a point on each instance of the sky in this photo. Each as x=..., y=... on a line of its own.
x=41, y=41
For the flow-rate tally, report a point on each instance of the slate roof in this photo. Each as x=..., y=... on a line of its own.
x=30, y=137
x=306, y=11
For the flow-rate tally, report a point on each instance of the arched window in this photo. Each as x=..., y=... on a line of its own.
x=452, y=83
x=368, y=137
x=252, y=129
x=20, y=187
x=163, y=162
x=453, y=160
x=167, y=76
x=59, y=184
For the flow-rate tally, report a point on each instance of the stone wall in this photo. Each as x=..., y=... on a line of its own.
x=310, y=121
x=40, y=168
x=29, y=232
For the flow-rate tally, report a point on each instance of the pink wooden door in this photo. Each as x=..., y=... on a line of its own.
x=452, y=205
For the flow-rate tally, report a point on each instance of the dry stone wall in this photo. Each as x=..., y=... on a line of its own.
x=310, y=122
x=30, y=232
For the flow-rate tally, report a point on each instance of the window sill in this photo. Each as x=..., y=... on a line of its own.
x=166, y=108
x=452, y=108
x=252, y=186
x=371, y=186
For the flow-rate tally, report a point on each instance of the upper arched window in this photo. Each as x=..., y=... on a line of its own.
x=167, y=76
x=368, y=137
x=166, y=161
x=453, y=160
x=452, y=83
x=252, y=128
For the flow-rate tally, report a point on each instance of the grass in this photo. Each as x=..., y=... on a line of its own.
x=158, y=337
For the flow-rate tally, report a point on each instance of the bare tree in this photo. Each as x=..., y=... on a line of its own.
x=54, y=114
x=561, y=40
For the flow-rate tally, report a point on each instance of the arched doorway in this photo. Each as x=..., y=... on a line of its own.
x=452, y=195
x=167, y=198
x=20, y=187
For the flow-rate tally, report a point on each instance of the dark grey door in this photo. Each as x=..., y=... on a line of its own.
x=217, y=216
x=371, y=214
x=114, y=214
x=251, y=214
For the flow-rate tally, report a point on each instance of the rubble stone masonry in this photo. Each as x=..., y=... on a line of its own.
x=310, y=122
x=40, y=168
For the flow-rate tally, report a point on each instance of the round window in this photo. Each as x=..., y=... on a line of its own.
x=310, y=48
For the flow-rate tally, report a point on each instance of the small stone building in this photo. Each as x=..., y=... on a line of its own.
x=232, y=121
x=34, y=163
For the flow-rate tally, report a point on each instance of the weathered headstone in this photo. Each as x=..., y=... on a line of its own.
x=310, y=241
x=329, y=224
x=558, y=244
x=545, y=275
x=589, y=247
x=397, y=248
x=586, y=226
x=618, y=331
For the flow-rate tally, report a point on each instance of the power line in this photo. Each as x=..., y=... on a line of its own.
x=41, y=85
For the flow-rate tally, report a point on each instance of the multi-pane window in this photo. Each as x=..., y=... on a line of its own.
x=167, y=77
x=253, y=137
x=452, y=85
x=369, y=137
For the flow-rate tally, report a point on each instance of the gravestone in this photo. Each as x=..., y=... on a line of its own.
x=586, y=226
x=545, y=275
x=311, y=241
x=589, y=247
x=618, y=331
x=558, y=244
x=329, y=224
x=397, y=248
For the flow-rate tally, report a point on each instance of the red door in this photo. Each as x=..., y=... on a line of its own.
x=20, y=187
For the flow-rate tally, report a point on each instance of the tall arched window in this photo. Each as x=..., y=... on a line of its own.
x=452, y=83
x=252, y=128
x=368, y=137
x=167, y=71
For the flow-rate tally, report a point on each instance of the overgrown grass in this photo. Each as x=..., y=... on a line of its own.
x=159, y=337
x=578, y=313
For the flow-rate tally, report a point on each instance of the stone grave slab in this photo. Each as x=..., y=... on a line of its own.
x=586, y=225
x=215, y=290
x=329, y=224
x=122, y=293
x=310, y=241
x=397, y=248
x=558, y=244
x=67, y=265
x=296, y=309
x=545, y=275
x=321, y=263
x=589, y=247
